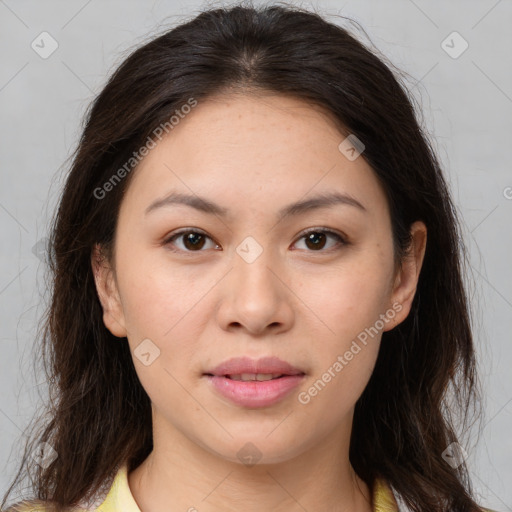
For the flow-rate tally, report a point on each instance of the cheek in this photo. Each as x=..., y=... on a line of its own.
x=165, y=308
x=157, y=296
x=349, y=301
x=160, y=321
x=348, y=298
x=347, y=343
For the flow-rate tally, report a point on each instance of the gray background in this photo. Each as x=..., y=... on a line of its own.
x=466, y=104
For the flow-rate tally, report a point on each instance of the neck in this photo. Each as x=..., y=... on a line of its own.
x=181, y=475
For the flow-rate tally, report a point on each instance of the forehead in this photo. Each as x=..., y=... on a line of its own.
x=264, y=148
x=258, y=117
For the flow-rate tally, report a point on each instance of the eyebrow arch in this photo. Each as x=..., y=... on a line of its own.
x=324, y=200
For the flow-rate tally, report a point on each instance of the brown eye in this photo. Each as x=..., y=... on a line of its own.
x=192, y=241
x=316, y=239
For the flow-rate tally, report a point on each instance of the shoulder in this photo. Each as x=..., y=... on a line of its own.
x=41, y=506
x=114, y=495
x=28, y=506
x=385, y=499
x=35, y=505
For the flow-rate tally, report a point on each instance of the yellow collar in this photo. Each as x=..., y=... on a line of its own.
x=383, y=498
x=120, y=497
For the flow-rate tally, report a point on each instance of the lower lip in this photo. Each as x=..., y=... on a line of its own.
x=255, y=393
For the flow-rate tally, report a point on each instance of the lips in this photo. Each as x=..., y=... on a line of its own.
x=254, y=383
x=245, y=368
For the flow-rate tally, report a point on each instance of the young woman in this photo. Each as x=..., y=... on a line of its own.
x=258, y=297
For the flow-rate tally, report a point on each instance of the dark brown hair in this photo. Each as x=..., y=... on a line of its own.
x=99, y=416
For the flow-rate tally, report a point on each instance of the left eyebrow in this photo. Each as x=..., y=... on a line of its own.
x=326, y=200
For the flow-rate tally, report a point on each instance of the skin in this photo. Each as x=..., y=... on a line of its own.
x=253, y=154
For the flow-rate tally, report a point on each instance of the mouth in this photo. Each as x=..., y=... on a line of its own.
x=249, y=377
x=254, y=384
x=245, y=368
x=246, y=391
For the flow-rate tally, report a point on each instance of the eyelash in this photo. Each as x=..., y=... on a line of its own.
x=340, y=238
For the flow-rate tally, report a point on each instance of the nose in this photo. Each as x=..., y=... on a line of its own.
x=255, y=297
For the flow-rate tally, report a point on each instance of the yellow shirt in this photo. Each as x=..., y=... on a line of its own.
x=120, y=499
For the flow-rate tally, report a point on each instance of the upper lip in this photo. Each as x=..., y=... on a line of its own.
x=240, y=365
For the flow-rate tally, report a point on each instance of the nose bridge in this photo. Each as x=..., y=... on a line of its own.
x=257, y=296
x=252, y=266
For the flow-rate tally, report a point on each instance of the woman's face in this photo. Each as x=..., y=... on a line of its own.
x=193, y=288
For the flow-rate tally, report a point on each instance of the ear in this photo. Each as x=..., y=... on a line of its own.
x=113, y=316
x=406, y=280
